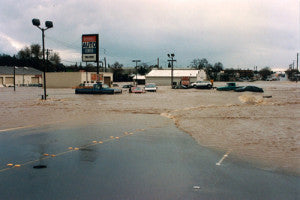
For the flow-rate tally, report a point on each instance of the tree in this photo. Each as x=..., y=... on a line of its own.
x=195, y=63
x=117, y=70
x=291, y=74
x=199, y=64
x=55, y=58
x=203, y=63
x=24, y=53
x=218, y=67
x=265, y=72
x=35, y=50
x=143, y=69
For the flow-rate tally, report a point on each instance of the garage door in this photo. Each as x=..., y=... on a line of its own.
x=9, y=80
x=1, y=80
x=34, y=80
x=107, y=81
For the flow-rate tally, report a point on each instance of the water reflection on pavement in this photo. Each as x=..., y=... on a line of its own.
x=127, y=157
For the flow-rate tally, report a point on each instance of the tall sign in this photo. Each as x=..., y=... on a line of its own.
x=90, y=48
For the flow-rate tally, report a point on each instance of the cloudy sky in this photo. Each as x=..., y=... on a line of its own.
x=238, y=33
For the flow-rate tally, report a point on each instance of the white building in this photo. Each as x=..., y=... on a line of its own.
x=163, y=76
x=140, y=79
x=25, y=76
x=73, y=79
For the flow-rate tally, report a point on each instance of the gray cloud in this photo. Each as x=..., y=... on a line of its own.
x=235, y=32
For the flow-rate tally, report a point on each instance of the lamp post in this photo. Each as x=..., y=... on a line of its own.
x=172, y=60
x=136, y=61
x=15, y=78
x=48, y=24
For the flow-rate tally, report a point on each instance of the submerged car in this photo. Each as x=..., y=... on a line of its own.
x=136, y=90
x=202, y=85
x=97, y=88
x=249, y=88
x=127, y=86
x=228, y=87
x=150, y=87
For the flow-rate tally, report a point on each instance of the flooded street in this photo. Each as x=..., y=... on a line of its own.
x=127, y=156
x=264, y=131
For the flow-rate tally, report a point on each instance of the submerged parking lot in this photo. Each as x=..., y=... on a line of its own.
x=259, y=130
x=135, y=156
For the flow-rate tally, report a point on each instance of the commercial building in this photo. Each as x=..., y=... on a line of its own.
x=139, y=79
x=25, y=76
x=72, y=79
x=162, y=77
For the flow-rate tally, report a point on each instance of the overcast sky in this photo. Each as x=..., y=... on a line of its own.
x=238, y=33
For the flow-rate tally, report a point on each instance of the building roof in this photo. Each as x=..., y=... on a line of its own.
x=9, y=70
x=138, y=77
x=176, y=73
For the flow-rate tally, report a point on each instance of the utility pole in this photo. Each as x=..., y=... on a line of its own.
x=172, y=60
x=48, y=53
x=14, y=78
x=297, y=61
x=293, y=64
x=104, y=51
x=157, y=63
x=104, y=64
x=136, y=62
x=46, y=65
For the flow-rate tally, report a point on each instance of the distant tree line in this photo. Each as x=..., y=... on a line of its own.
x=217, y=71
x=31, y=56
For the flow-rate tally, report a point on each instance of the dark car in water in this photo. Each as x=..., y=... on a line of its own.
x=249, y=88
x=228, y=87
x=97, y=88
x=127, y=86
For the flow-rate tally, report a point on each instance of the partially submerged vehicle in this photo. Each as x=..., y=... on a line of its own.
x=136, y=90
x=127, y=86
x=97, y=88
x=228, y=87
x=249, y=88
x=150, y=87
x=202, y=85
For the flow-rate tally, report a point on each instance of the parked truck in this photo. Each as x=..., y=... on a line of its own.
x=98, y=88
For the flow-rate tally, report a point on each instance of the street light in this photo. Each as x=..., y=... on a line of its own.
x=48, y=24
x=172, y=60
x=15, y=77
x=136, y=61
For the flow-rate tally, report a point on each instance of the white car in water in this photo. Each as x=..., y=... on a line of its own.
x=202, y=85
x=150, y=87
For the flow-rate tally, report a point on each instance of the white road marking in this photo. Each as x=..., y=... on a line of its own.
x=223, y=158
x=21, y=127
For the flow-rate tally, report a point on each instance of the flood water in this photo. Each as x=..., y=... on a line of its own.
x=150, y=159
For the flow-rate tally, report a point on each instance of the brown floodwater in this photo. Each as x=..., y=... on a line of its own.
x=255, y=129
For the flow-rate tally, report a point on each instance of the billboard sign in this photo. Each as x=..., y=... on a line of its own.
x=90, y=48
x=94, y=77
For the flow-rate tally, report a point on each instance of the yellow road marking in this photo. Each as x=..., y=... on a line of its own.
x=70, y=149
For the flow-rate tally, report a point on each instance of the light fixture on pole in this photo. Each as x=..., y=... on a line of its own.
x=136, y=61
x=48, y=24
x=172, y=55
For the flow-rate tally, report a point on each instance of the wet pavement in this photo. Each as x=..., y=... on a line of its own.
x=128, y=156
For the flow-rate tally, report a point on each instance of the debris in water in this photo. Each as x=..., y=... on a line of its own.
x=196, y=187
x=39, y=166
x=267, y=96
